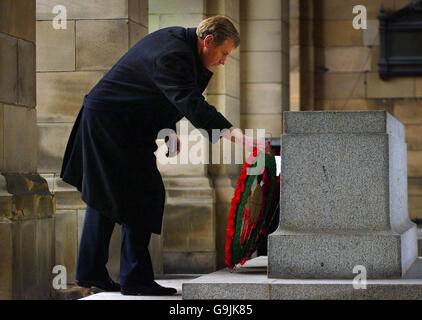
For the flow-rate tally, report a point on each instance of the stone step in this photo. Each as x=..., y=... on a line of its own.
x=188, y=182
x=190, y=192
x=250, y=282
x=168, y=280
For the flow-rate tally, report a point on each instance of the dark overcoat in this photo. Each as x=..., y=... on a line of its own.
x=110, y=157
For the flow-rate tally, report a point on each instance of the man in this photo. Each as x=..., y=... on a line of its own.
x=110, y=153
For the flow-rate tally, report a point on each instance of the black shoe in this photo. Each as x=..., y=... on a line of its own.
x=105, y=285
x=153, y=289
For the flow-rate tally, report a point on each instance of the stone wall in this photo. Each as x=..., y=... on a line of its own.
x=26, y=204
x=224, y=92
x=302, y=55
x=264, y=64
x=346, y=77
x=69, y=63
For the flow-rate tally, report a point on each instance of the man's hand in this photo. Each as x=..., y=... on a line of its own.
x=173, y=145
x=235, y=135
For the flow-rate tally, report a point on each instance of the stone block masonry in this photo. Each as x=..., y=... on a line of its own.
x=343, y=197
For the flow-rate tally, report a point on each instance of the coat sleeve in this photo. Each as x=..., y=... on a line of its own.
x=175, y=78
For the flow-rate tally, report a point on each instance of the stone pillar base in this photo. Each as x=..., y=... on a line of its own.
x=304, y=255
x=189, y=226
x=250, y=282
x=343, y=198
x=26, y=237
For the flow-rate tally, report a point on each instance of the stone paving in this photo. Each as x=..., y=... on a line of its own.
x=174, y=281
x=250, y=282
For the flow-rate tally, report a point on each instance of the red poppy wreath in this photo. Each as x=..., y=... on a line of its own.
x=252, y=208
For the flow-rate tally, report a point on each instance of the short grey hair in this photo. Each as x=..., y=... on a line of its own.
x=220, y=27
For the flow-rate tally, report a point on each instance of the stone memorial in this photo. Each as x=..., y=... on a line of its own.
x=343, y=197
x=343, y=214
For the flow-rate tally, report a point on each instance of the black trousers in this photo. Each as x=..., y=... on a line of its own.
x=135, y=260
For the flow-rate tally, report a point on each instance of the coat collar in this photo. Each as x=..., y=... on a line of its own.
x=193, y=43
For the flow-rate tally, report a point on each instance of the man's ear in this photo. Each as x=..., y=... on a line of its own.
x=209, y=41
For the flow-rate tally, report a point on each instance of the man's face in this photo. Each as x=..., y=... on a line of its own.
x=213, y=56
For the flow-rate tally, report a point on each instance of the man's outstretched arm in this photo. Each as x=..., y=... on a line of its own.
x=174, y=76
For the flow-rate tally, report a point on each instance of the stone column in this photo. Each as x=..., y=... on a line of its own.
x=264, y=64
x=224, y=92
x=343, y=197
x=302, y=61
x=70, y=61
x=26, y=205
x=189, y=217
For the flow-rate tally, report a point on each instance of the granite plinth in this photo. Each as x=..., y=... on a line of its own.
x=343, y=197
x=251, y=283
x=335, y=255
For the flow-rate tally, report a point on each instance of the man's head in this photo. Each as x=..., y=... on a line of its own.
x=217, y=38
